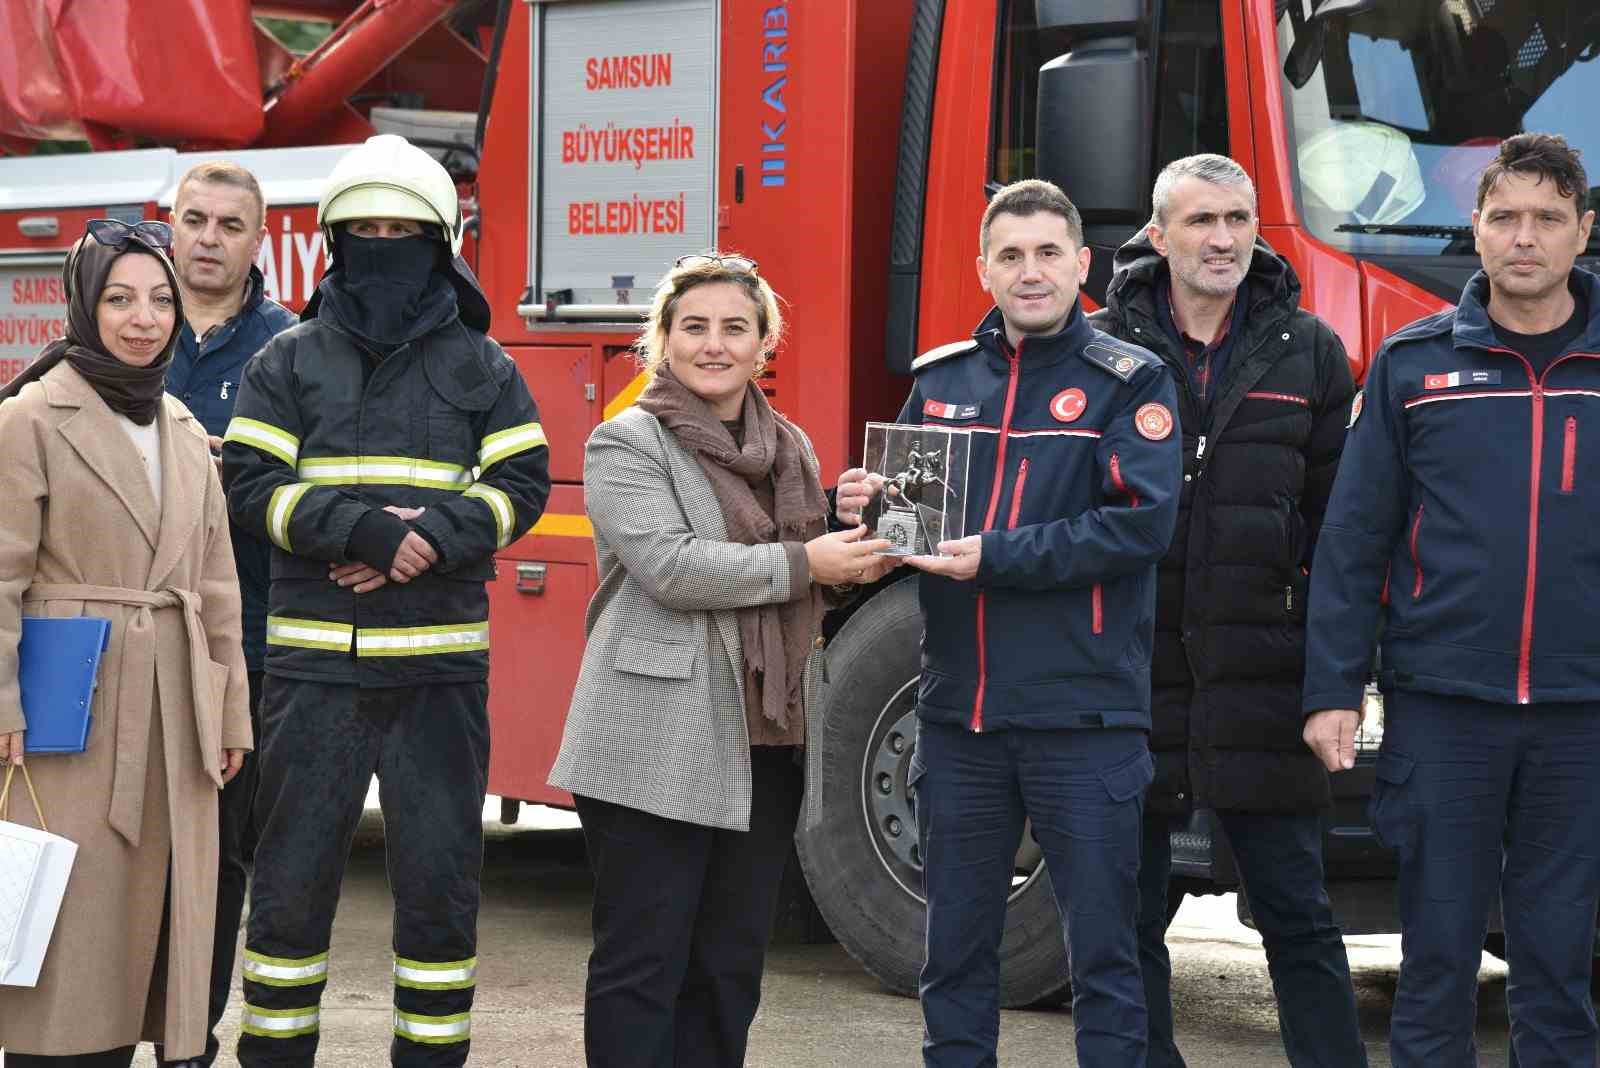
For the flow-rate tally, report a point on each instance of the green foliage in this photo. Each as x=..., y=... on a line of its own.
x=297, y=35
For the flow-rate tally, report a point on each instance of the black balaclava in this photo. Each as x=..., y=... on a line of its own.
x=389, y=291
x=127, y=390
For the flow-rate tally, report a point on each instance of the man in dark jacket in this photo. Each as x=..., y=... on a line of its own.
x=1464, y=518
x=218, y=222
x=1264, y=393
x=387, y=447
x=1034, y=696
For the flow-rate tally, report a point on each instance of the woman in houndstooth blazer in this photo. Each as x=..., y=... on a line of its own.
x=684, y=741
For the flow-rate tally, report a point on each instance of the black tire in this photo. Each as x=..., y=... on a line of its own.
x=860, y=860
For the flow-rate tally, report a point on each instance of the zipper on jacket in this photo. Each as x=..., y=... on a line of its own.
x=1016, y=494
x=1416, y=562
x=1536, y=464
x=1015, y=360
x=1569, y=453
x=1121, y=486
x=1096, y=596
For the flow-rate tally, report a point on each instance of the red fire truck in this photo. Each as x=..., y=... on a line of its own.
x=849, y=146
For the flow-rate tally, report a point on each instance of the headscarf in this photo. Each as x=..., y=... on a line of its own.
x=127, y=390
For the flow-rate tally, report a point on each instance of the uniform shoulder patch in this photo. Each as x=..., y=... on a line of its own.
x=943, y=352
x=1153, y=421
x=1123, y=361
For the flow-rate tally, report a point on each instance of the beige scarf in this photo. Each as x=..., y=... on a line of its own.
x=776, y=637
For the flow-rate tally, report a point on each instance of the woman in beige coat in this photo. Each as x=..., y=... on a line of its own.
x=110, y=506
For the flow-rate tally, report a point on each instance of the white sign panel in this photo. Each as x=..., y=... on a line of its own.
x=627, y=106
x=33, y=312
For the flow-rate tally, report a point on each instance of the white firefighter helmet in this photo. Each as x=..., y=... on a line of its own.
x=1364, y=169
x=390, y=178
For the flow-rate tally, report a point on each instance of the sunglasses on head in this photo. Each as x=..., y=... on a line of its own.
x=732, y=263
x=115, y=234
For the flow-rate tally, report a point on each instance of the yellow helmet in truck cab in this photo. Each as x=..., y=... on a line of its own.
x=390, y=178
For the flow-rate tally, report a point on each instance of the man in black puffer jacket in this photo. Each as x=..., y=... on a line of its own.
x=1264, y=393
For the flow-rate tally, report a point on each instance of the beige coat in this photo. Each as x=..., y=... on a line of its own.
x=81, y=534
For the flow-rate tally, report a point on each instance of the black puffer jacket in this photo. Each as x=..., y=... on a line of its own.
x=1231, y=592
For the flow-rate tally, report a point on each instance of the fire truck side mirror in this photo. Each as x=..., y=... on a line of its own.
x=1310, y=35
x=1094, y=129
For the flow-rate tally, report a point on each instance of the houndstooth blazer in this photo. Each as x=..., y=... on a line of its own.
x=657, y=721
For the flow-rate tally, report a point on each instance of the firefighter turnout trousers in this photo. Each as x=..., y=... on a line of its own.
x=320, y=746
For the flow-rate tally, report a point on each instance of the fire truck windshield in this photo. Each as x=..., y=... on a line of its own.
x=1393, y=112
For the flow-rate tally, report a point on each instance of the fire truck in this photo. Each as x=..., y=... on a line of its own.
x=849, y=146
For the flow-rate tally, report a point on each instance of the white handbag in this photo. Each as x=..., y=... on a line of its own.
x=34, y=866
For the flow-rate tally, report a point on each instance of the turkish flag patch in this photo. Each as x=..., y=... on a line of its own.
x=1153, y=421
x=1068, y=405
x=941, y=410
x=1461, y=378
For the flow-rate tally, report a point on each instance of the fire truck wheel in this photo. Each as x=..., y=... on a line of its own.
x=861, y=860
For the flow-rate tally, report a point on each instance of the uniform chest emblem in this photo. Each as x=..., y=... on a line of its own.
x=941, y=410
x=1461, y=378
x=1355, y=408
x=1068, y=405
x=1153, y=421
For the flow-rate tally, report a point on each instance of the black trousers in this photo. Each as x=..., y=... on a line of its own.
x=682, y=915
x=320, y=747
x=120, y=1057
x=1280, y=864
x=236, y=847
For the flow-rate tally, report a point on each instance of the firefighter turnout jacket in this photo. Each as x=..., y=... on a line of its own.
x=322, y=434
x=1464, y=517
x=1072, y=479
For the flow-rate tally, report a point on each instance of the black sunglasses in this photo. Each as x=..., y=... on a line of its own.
x=732, y=263
x=116, y=234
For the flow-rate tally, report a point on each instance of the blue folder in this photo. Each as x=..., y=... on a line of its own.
x=57, y=663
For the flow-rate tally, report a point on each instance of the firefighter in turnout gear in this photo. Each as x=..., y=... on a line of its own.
x=387, y=448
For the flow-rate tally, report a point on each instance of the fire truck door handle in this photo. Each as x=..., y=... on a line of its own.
x=738, y=184
x=39, y=226
x=530, y=579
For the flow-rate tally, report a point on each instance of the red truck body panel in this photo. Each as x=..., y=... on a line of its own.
x=806, y=135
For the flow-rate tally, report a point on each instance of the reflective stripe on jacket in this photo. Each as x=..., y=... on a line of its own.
x=321, y=435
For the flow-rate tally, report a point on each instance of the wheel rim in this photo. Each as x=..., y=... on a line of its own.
x=887, y=801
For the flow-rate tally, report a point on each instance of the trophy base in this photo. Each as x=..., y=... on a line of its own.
x=903, y=533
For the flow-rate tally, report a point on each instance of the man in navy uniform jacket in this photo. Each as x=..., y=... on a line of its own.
x=1463, y=519
x=1034, y=701
x=218, y=224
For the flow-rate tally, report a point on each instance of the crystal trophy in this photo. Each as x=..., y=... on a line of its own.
x=922, y=474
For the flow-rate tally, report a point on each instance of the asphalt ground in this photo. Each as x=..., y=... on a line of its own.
x=819, y=1009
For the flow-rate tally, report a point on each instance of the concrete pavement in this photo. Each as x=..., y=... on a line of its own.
x=819, y=1010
